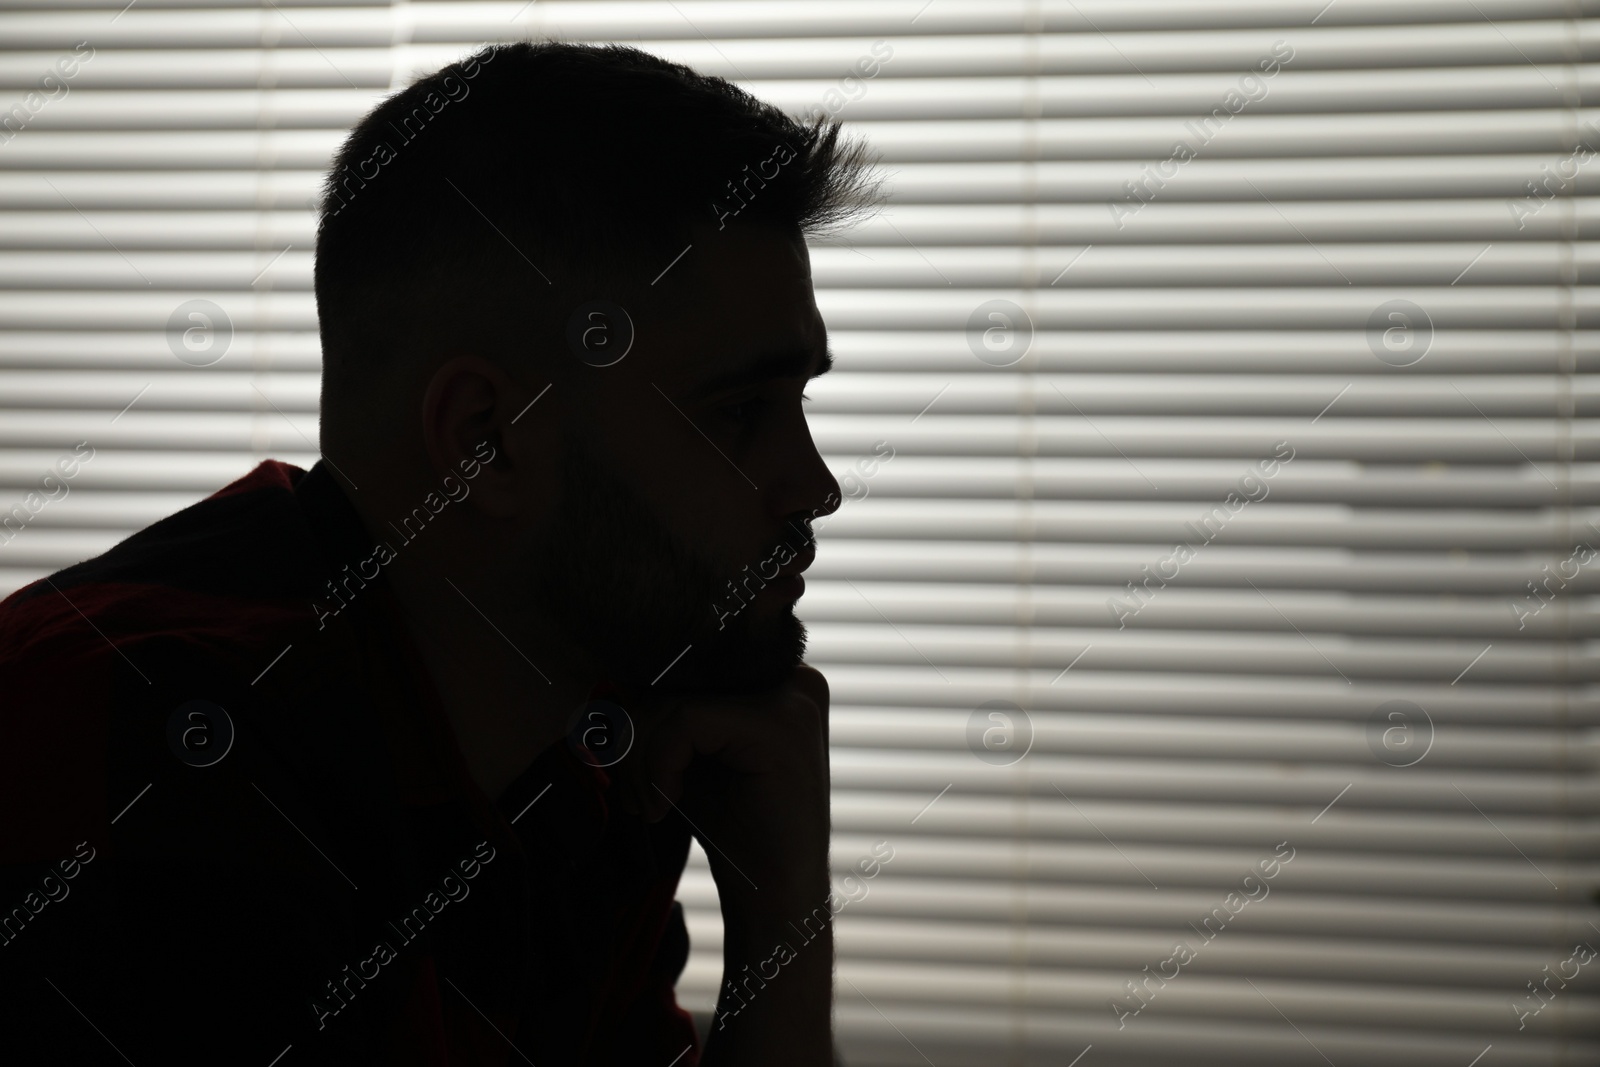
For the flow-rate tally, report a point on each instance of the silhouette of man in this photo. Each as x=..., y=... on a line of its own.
x=397, y=760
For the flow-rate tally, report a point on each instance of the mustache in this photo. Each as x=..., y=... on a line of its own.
x=729, y=598
x=802, y=529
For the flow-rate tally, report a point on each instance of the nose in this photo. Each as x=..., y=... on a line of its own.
x=810, y=491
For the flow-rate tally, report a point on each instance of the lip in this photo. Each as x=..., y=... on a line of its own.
x=788, y=587
x=799, y=563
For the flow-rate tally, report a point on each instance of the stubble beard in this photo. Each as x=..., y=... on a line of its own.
x=653, y=612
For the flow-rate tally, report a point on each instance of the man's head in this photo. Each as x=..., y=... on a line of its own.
x=593, y=260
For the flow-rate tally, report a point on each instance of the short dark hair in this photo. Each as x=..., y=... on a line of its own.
x=547, y=174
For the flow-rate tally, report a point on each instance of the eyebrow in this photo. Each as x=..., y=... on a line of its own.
x=789, y=363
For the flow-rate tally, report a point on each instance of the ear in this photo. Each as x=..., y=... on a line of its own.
x=482, y=425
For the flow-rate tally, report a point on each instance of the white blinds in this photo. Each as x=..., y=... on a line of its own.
x=1179, y=314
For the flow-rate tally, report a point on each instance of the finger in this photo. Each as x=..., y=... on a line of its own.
x=666, y=758
x=813, y=684
x=750, y=734
x=648, y=718
x=717, y=728
x=645, y=798
x=631, y=790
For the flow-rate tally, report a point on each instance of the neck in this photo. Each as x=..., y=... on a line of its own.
x=504, y=678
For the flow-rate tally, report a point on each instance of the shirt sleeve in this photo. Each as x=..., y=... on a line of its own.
x=655, y=1029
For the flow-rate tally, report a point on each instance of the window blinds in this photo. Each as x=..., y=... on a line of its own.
x=1210, y=620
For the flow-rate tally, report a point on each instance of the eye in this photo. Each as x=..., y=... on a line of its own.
x=743, y=411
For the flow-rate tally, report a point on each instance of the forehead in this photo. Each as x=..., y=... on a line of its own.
x=736, y=295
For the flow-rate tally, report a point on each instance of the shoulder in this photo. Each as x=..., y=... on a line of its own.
x=209, y=569
x=187, y=607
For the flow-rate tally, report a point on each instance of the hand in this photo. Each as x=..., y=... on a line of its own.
x=750, y=773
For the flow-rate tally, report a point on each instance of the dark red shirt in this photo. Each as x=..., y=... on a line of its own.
x=231, y=830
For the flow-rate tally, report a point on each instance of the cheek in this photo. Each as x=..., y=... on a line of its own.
x=697, y=484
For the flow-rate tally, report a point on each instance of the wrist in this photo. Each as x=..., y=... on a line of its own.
x=777, y=897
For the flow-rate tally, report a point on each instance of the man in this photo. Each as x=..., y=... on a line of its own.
x=397, y=760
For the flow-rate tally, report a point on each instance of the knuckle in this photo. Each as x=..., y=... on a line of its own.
x=814, y=684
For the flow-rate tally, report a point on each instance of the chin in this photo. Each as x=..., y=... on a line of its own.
x=751, y=657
